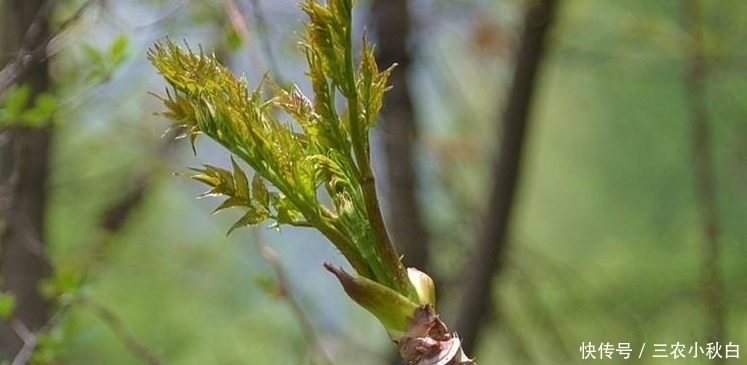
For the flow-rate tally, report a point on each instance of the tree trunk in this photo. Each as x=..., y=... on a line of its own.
x=703, y=167
x=24, y=167
x=489, y=257
x=399, y=133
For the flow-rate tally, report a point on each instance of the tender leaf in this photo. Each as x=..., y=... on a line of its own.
x=220, y=180
x=240, y=180
x=252, y=217
x=45, y=105
x=287, y=213
x=7, y=305
x=94, y=55
x=15, y=102
x=371, y=86
x=259, y=192
x=118, y=49
x=233, y=201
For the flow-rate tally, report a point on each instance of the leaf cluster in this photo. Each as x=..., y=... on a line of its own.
x=19, y=109
x=103, y=62
x=310, y=157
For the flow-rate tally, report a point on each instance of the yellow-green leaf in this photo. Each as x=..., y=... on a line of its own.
x=259, y=192
x=240, y=180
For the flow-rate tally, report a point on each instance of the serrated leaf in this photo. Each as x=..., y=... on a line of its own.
x=259, y=192
x=286, y=211
x=224, y=177
x=252, y=217
x=233, y=201
x=205, y=178
x=240, y=180
x=371, y=85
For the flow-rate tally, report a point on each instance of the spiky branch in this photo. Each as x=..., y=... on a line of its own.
x=300, y=147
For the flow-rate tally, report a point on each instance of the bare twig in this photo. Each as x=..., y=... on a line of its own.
x=24, y=171
x=34, y=50
x=400, y=134
x=115, y=216
x=30, y=340
x=237, y=20
x=130, y=341
x=703, y=171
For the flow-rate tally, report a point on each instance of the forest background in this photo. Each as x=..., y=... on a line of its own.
x=626, y=223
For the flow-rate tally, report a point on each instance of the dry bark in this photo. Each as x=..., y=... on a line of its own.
x=24, y=168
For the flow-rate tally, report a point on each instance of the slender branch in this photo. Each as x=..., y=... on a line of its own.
x=117, y=213
x=306, y=327
x=237, y=20
x=489, y=257
x=24, y=171
x=29, y=343
x=33, y=51
x=30, y=339
x=400, y=133
x=703, y=172
x=384, y=246
x=404, y=307
x=128, y=339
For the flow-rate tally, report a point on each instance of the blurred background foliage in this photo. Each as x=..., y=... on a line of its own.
x=606, y=236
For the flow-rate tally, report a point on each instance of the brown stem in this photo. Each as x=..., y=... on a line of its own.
x=24, y=170
x=30, y=340
x=32, y=52
x=489, y=257
x=397, y=275
x=703, y=173
x=128, y=339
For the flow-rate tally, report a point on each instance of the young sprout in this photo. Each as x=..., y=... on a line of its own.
x=328, y=152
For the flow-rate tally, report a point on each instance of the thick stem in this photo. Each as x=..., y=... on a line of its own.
x=489, y=257
x=397, y=275
x=346, y=247
x=24, y=170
